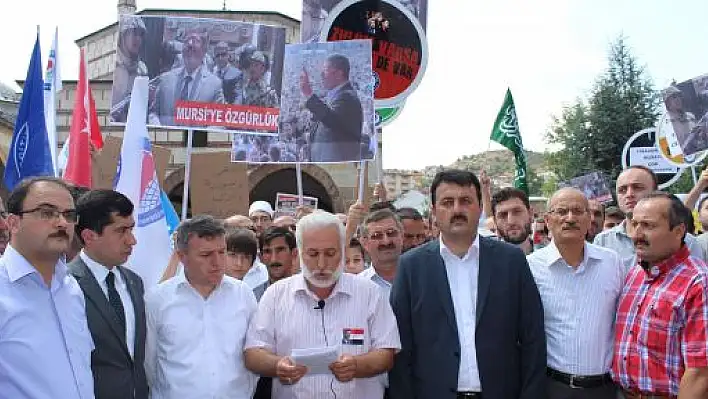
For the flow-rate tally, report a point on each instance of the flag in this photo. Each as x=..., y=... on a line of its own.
x=506, y=132
x=78, y=163
x=170, y=213
x=136, y=179
x=52, y=85
x=29, y=150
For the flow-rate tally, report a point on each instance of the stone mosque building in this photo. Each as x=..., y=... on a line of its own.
x=217, y=186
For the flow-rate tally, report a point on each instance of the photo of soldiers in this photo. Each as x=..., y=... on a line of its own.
x=129, y=65
x=197, y=60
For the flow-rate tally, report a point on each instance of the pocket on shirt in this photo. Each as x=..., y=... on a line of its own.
x=662, y=323
x=355, y=341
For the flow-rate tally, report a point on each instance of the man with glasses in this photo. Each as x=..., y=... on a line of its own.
x=413, y=228
x=579, y=284
x=231, y=77
x=382, y=238
x=45, y=344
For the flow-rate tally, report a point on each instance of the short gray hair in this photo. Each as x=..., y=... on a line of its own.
x=317, y=220
x=201, y=226
x=377, y=216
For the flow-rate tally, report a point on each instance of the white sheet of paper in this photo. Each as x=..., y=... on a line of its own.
x=317, y=360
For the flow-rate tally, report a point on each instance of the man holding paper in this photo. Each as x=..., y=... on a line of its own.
x=322, y=316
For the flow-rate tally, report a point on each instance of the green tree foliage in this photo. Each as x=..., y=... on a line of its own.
x=592, y=134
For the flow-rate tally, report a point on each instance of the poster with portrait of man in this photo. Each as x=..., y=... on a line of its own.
x=209, y=74
x=594, y=185
x=315, y=14
x=685, y=122
x=326, y=110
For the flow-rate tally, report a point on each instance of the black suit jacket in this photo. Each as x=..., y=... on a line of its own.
x=509, y=338
x=338, y=134
x=116, y=374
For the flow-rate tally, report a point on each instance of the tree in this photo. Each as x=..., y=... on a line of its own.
x=622, y=102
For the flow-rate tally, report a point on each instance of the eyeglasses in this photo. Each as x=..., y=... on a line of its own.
x=379, y=235
x=51, y=214
x=565, y=211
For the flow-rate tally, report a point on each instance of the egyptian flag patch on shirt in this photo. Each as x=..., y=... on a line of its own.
x=353, y=336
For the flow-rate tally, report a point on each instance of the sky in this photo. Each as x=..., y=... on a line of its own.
x=549, y=52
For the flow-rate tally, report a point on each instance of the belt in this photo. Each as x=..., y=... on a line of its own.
x=639, y=395
x=579, y=381
x=469, y=395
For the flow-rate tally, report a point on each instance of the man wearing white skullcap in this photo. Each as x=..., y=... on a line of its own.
x=261, y=214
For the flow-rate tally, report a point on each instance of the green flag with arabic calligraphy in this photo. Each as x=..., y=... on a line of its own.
x=506, y=132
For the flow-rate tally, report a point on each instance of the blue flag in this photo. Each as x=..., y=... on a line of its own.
x=170, y=213
x=29, y=151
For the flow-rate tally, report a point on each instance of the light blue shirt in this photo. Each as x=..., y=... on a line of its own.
x=45, y=343
x=579, y=306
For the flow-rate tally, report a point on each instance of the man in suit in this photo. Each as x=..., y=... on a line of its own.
x=114, y=295
x=469, y=313
x=192, y=82
x=337, y=136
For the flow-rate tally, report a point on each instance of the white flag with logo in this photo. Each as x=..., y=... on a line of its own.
x=137, y=180
x=52, y=85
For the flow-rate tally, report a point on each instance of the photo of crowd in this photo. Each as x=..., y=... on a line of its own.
x=196, y=60
x=593, y=185
x=327, y=108
x=316, y=12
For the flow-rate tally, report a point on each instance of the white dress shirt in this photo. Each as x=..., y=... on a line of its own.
x=194, y=346
x=256, y=275
x=579, y=307
x=462, y=275
x=355, y=316
x=100, y=272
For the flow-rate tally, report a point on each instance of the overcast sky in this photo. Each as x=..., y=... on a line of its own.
x=547, y=51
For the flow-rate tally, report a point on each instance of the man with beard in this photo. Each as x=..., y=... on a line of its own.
x=278, y=252
x=128, y=64
x=413, y=228
x=597, y=219
x=579, y=348
x=323, y=306
x=45, y=343
x=192, y=82
x=512, y=215
x=633, y=184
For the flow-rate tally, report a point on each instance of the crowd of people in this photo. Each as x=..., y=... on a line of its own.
x=483, y=298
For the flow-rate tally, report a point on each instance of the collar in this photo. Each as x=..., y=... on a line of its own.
x=342, y=286
x=473, y=249
x=371, y=274
x=663, y=267
x=620, y=229
x=553, y=254
x=18, y=266
x=194, y=74
x=336, y=89
x=99, y=271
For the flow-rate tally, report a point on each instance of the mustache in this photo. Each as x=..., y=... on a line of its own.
x=60, y=234
x=570, y=226
x=275, y=264
x=459, y=217
x=385, y=247
x=641, y=241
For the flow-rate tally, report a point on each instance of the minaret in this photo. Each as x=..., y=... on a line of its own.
x=126, y=7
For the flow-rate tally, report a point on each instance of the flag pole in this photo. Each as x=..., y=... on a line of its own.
x=693, y=173
x=298, y=176
x=362, y=180
x=379, y=158
x=187, y=173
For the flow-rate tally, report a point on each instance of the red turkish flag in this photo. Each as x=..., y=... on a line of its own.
x=85, y=134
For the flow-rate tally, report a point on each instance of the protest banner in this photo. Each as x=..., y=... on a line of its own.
x=385, y=116
x=209, y=74
x=594, y=185
x=286, y=204
x=399, y=45
x=641, y=149
x=326, y=110
x=316, y=12
x=684, y=123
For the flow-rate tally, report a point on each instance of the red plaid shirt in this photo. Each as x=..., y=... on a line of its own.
x=662, y=325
